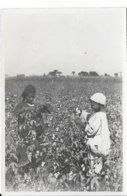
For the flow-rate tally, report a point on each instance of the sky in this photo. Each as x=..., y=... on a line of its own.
x=40, y=40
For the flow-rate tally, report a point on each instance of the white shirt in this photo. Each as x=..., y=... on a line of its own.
x=98, y=133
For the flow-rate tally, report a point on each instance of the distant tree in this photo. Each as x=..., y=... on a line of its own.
x=93, y=73
x=59, y=73
x=55, y=73
x=116, y=74
x=107, y=75
x=44, y=74
x=83, y=73
x=73, y=73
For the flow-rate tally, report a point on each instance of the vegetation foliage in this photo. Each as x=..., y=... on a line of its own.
x=60, y=161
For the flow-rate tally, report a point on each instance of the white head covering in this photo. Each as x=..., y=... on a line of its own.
x=99, y=98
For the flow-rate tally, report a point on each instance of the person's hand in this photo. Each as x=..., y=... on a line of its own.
x=46, y=108
x=79, y=123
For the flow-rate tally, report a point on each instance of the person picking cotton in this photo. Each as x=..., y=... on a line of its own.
x=96, y=126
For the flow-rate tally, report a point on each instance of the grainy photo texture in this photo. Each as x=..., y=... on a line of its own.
x=63, y=99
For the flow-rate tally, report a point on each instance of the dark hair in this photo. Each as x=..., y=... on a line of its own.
x=28, y=89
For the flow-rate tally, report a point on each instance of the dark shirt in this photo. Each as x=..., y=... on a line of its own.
x=31, y=128
x=29, y=118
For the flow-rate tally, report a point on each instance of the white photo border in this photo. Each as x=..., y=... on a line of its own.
x=70, y=4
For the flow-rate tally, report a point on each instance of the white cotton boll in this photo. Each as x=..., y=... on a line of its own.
x=53, y=136
x=78, y=111
x=42, y=164
x=56, y=174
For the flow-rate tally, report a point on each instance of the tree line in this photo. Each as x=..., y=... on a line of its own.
x=56, y=73
x=82, y=73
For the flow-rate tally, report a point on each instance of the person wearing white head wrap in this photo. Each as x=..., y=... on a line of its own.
x=96, y=128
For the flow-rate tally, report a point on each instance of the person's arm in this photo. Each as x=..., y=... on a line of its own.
x=93, y=128
x=84, y=116
x=79, y=116
x=79, y=122
x=45, y=108
x=18, y=109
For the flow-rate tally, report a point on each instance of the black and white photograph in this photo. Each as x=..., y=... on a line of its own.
x=63, y=73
